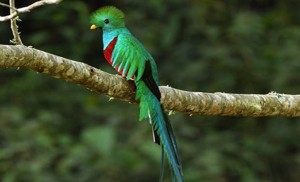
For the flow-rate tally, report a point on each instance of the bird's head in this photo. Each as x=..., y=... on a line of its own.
x=107, y=18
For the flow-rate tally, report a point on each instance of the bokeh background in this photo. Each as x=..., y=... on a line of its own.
x=51, y=130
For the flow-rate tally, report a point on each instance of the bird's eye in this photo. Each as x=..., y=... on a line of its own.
x=106, y=21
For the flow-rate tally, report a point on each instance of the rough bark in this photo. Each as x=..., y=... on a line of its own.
x=251, y=105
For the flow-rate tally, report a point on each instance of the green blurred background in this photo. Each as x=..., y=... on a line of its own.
x=51, y=130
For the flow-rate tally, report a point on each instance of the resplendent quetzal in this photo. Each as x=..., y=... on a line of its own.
x=129, y=57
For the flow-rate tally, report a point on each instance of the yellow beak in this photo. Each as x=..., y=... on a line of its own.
x=93, y=27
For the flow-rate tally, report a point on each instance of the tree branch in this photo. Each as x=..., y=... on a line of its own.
x=26, y=9
x=13, y=24
x=115, y=86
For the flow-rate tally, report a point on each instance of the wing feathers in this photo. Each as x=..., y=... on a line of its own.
x=147, y=77
x=126, y=68
x=132, y=70
x=129, y=57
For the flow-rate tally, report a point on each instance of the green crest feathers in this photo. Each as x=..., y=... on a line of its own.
x=107, y=11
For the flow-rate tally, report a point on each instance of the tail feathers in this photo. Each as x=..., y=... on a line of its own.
x=150, y=107
x=173, y=155
x=172, y=138
x=167, y=139
x=156, y=138
x=162, y=164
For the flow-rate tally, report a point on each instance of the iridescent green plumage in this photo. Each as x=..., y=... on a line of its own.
x=129, y=57
x=108, y=12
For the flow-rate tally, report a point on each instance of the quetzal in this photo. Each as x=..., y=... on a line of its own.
x=129, y=57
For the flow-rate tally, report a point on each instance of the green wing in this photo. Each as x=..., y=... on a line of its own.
x=129, y=57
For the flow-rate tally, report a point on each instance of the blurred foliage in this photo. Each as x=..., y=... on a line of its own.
x=51, y=130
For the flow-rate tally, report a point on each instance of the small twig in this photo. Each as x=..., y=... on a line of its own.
x=13, y=16
x=6, y=5
x=26, y=9
x=13, y=24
